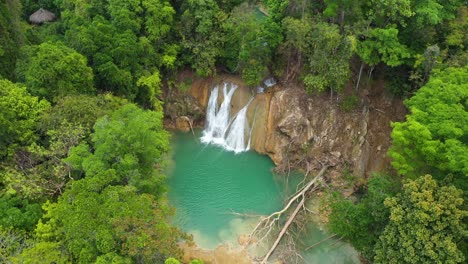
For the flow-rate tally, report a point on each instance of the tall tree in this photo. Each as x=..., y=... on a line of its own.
x=433, y=139
x=202, y=35
x=102, y=223
x=328, y=60
x=251, y=42
x=426, y=224
x=20, y=115
x=57, y=70
x=123, y=41
x=12, y=37
x=362, y=222
x=132, y=142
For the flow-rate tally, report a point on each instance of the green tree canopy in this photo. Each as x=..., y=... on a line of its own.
x=202, y=35
x=328, y=59
x=433, y=139
x=382, y=44
x=37, y=172
x=12, y=37
x=426, y=224
x=251, y=42
x=18, y=213
x=20, y=114
x=361, y=223
x=98, y=222
x=57, y=70
x=132, y=142
x=79, y=110
x=123, y=40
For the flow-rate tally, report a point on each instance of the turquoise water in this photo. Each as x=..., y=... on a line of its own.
x=207, y=184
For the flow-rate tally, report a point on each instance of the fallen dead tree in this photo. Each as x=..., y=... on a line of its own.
x=266, y=224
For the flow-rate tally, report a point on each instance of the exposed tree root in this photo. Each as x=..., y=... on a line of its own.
x=266, y=225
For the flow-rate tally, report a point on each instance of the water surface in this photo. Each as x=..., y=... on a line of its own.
x=209, y=185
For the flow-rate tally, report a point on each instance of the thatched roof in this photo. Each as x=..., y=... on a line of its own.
x=41, y=16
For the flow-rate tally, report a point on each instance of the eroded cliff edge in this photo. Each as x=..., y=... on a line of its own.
x=297, y=130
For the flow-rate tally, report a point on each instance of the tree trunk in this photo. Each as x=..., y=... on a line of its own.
x=302, y=193
x=359, y=77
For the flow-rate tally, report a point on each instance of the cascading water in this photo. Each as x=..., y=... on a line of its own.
x=218, y=119
x=220, y=130
x=239, y=131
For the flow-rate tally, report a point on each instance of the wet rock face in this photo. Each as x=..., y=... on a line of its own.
x=183, y=105
x=182, y=109
x=302, y=131
x=308, y=131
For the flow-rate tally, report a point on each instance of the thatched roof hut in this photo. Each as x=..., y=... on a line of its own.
x=41, y=16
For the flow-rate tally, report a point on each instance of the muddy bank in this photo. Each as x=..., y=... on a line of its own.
x=222, y=254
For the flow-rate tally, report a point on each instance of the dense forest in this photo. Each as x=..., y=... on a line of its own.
x=82, y=142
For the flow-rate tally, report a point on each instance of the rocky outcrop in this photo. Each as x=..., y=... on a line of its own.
x=306, y=132
x=301, y=131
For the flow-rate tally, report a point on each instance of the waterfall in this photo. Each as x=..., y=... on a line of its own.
x=231, y=134
x=238, y=131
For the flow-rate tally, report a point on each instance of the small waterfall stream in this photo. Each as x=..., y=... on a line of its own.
x=231, y=134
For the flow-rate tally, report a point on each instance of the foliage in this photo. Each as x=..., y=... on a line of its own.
x=398, y=81
x=123, y=40
x=382, y=44
x=171, y=261
x=349, y=103
x=80, y=110
x=175, y=261
x=250, y=43
x=98, y=159
x=95, y=219
x=116, y=213
x=228, y=5
x=150, y=91
x=43, y=252
x=20, y=115
x=39, y=172
x=328, y=61
x=56, y=71
x=432, y=139
x=457, y=39
x=12, y=243
x=426, y=223
x=132, y=142
x=323, y=50
x=201, y=34
x=18, y=213
x=362, y=222
x=12, y=36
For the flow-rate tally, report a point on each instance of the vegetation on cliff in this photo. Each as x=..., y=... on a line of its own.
x=82, y=144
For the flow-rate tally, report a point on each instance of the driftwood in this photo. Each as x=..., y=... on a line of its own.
x=266, y=224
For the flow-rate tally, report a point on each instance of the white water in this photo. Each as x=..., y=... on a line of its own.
x=270, y=82
x=231, y=134
x=239, y=132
